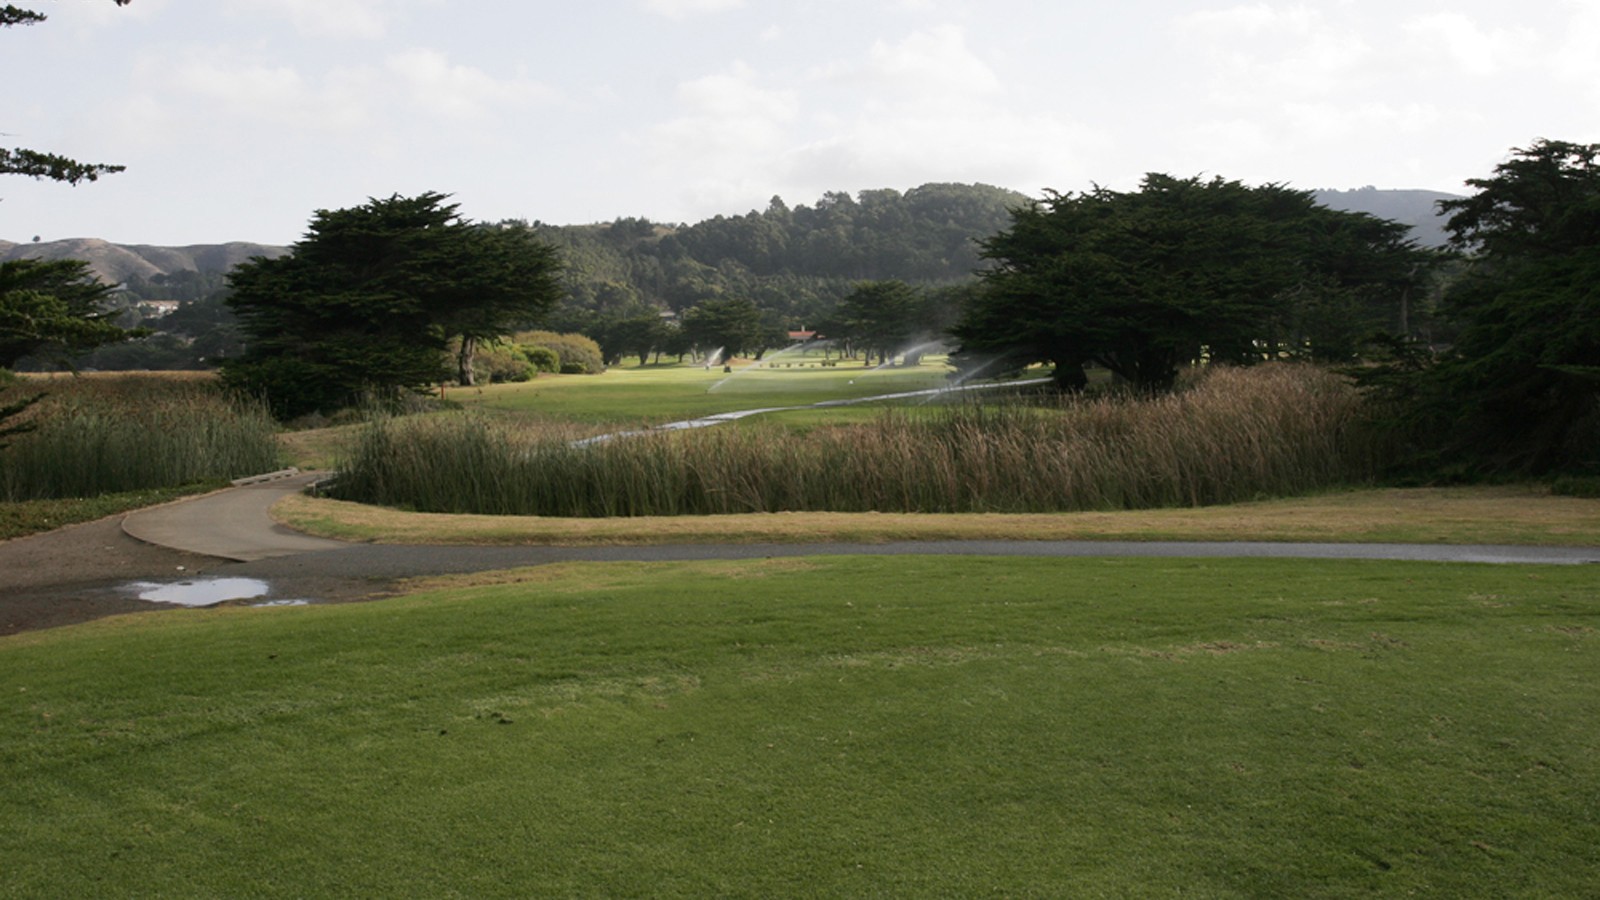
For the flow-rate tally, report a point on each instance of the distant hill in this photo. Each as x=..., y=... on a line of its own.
x=924, y=234
x=118, y=263
x=1419, y=209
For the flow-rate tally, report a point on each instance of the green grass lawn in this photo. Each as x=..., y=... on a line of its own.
x=655, y=394
x=826, y=727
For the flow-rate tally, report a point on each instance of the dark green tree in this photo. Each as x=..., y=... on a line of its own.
x=673, y=342
x=1181, y=270
x=879, y=317
x=53, y=308
x=731, y=323
x=1519, y=390
x=637, y=334
x=367, y=302
x=506, y=280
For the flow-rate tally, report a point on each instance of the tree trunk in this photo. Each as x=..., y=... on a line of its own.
x=1069, y=378
x=469, y=346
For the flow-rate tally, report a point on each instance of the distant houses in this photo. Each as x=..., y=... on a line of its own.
x=157, y=309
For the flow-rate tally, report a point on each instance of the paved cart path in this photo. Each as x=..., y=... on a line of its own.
x=231, y=524
x=87, y=571
x=235, y=524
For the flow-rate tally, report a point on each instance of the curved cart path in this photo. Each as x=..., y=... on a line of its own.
x=230, y=524
x=87, y=571
x=235, y=524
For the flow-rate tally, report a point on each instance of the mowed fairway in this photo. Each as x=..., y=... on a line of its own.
x=826, y=727
x=656, y=394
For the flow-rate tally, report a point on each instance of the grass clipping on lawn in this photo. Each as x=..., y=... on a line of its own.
x=1522, y=515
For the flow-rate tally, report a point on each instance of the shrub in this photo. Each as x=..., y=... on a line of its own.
x=543, y=359
x=570, y=349
x=1585, y=486
x=501, y=363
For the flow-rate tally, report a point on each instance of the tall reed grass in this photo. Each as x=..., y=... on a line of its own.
x=102, y=435
x=1234, y=434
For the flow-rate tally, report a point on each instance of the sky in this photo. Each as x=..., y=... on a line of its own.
x=237, y=119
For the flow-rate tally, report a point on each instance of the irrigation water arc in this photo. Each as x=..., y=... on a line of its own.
x=735, y=415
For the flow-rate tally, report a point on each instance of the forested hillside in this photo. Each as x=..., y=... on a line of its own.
x=794, y=262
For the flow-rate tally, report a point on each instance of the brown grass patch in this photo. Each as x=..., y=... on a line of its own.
x=1519, y=515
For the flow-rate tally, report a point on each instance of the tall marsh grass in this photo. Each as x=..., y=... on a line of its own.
x=1234, y=434
x=103, y=435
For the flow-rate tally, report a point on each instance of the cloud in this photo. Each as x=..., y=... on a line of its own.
x=729, y=128
x=734, y=94
x=1320, y=123
x=922, y=108
x=416, y=91
x=935, y=64
x=461, y=92
x=364, y=19
x=1255, y=52
x=1250, y=21
x=108, y=13
x=1027, y=151
x=678, y=9
x=234, y=88
x=1467, y=47
x=1578, y=57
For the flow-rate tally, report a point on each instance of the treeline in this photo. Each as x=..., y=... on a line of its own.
x=792, y=266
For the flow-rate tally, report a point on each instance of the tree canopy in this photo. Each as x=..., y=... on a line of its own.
x=368, y=301
x=1519, y=390
x=1181, y=270
x=52, y=308
x=730, y=324
x=882, y=318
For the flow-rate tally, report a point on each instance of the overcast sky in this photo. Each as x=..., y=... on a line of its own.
x=238, y=118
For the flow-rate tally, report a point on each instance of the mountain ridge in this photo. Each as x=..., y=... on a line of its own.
x=116, y=263
x=1417, y=208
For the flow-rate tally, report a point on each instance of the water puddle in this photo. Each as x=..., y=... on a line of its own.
x=201, y=591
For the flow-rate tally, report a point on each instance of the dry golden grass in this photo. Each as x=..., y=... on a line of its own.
x=316, y=448
x=1231, y=435
x=1468, y=515
x=131, y=432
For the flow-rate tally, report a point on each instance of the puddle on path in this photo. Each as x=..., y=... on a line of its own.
x=201, y=591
